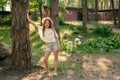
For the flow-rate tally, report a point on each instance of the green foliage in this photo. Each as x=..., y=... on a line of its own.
x=3, y=2
x=5, y=34
x=66, y=46
x=103, y=30
x=101, y=44
x=61, y=18
x=77, y=30
x=35, y=4
x=7, y=19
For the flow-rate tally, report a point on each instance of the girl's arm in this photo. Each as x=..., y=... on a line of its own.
x=32, y=22
x=57, y=40
x=58, y=43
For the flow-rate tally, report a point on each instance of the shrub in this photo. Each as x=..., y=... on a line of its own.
x=105, y=44
x=103, y=30
x=77, y=30
x=66, y=46
x=61, y=19
x=7, y=19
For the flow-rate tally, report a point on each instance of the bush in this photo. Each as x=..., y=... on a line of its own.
x=66, y=46
x=103, y=30
x=61, y=19
x=104, y=44
x=7, y=19
x=77, y=30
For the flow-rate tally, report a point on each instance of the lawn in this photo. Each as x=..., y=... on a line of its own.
x=74, y=65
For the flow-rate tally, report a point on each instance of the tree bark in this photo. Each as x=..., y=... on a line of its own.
x=96, y=10
x=21, y=53
x=114, y=13
x=119, y=15
x=54, y=15
x=40, y=9
x=84, y=12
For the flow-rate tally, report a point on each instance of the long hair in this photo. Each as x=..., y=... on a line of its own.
x=50, y=25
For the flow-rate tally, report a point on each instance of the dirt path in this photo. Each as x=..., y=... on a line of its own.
x=95, y=67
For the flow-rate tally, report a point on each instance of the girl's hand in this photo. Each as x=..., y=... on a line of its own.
x=59, y=48
x=28, y=18
x=32, y=22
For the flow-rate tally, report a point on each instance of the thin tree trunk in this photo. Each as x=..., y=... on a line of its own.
x=114, y=13
x=119, y=15
x=21, y=53
x=54, y=15
x=2, y=12
x=96, y=10
x=79, y=3
x=40, y=9
x=101, y=5
x=84, y=12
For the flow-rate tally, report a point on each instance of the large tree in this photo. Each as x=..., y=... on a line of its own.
x=84, y=11
x=54, y=14
x=21, y=53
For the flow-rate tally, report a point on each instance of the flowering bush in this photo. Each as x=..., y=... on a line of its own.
x=69, y=46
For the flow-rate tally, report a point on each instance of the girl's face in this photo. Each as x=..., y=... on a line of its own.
x=47, y=23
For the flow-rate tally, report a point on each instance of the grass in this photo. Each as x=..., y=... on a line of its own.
x=5, y=34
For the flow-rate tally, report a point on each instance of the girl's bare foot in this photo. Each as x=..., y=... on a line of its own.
x=55, y=73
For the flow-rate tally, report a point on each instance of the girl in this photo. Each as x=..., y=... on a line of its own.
x=50, y=37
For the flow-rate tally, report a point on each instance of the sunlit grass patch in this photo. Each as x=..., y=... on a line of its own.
x=5, y=34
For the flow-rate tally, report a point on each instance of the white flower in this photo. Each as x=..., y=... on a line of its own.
x=70, y=42
x=65, y=33
x=77, y=41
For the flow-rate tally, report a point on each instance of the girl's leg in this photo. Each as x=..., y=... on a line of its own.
x=46, y=56
x=56, y=61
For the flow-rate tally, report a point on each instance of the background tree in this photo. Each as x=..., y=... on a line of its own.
x=119, y=15
x=96, y=10
x=114, y=13
x=84, y=12
x=62, y=11
x=40, y=9
x=54, y=14
x=3, y=3
x=21, y=53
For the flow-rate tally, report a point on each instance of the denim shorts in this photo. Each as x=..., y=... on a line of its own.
x=51, y=46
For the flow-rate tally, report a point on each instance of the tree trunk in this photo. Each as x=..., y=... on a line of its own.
x=96, y=10
x=84, y=12
x=119, y=15
x=40, y=9
x=114, y=13
x=21, y=53
x=54, y=15
x=79, y=3
x=2, y=12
